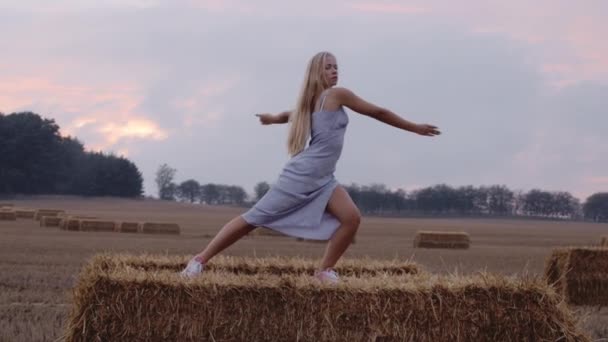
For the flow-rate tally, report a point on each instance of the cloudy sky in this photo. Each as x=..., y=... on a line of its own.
x=519, y=88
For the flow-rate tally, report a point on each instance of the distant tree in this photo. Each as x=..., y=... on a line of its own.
x=210, y=193
x=596, y=207
x=261, y=189
x=164, y=182
x=500, y=200
x=189, y=190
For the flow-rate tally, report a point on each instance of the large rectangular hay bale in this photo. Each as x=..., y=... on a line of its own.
x=25, y=213
x=160, y=228
x=128, y=227
x=438, y=239
x=70, y=223
x=271, y=265
x=604, y=241
x=50, y=221
x=130, y=304
x=48, y=212
x=7, y=215
x=97, y=225
x=6, y=205
x=580, y=274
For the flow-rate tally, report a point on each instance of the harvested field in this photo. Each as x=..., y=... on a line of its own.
x=580, y=274
x=435, y=239
x=39, y=267
x=122, y=302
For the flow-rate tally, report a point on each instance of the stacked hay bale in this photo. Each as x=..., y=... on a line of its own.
x=50, y=221
x=579, y=274
x=87, y=225
x=128, y=227
x=160, y=228
x=7, y=215
x=114, y=300
x=25, y=213
x=72, y=222
x=438, y=239
x=6, y=205
x=48, y=212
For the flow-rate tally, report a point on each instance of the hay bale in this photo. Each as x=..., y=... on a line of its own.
x=6, y=205
x=25, y=213
x=160, y=228
x=128, y=304
x=437, y=239
x=70, y=223
x=270, y=265
x=604, y=242
x=128, y=227
x=87, y=225
x=50, y=221
x=579, y=274
x=7, y=215
x=48, y=212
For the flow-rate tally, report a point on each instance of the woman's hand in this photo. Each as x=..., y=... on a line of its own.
x=266, y=119
x=427, y=130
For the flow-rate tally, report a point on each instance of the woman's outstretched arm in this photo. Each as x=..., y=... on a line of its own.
x=268, y=119
x=352, y=101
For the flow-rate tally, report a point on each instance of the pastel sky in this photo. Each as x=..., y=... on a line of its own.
x=518, y=88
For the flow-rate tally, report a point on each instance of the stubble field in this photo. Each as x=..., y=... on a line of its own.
x=39, y=266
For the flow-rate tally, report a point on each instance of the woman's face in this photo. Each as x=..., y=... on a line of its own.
x=330, y=70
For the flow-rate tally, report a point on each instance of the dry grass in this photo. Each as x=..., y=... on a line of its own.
x=39, y=267
x=269, y=265
x=115, y=301
x=436, y=239
x=580, y=274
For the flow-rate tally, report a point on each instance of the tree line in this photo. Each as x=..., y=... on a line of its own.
x=36, y=159
x=437, y=200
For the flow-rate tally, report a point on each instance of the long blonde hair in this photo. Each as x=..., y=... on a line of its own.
x=314, y=84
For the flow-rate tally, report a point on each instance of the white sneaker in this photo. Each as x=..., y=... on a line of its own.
x=193, y=269
x=328, y=276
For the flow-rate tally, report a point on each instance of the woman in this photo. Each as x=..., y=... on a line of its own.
x=307, y=201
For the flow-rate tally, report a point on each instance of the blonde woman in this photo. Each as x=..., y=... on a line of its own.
x=306, y=201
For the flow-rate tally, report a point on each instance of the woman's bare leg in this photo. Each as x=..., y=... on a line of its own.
x=230, y=233
x=344, y=209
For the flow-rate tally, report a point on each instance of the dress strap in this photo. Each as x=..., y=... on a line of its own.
x=323, y=97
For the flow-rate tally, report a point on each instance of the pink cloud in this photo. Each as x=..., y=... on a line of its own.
x=105, y=115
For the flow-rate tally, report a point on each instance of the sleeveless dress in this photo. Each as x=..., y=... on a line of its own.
x=296, y=203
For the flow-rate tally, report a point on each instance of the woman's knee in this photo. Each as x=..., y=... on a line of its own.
x=352, y=219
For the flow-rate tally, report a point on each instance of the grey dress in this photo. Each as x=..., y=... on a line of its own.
x=296, y=203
